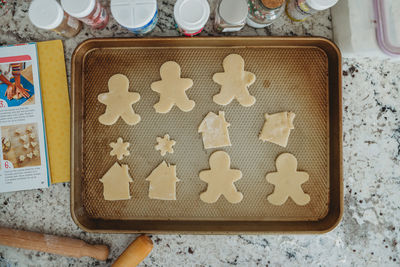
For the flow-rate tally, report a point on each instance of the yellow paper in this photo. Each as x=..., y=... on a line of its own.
x=55, y=97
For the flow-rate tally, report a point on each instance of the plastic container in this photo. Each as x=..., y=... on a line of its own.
x=263, y=13
x=191, y=16
x=138, y=16
x=299, y=10
x=230, y=15
x=48, y=15
x=89, y=12
x=388, y=26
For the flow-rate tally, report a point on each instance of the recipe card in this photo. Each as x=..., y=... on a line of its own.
x=24, y=159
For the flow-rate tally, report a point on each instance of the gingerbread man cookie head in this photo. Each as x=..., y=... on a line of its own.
x=220, y=160
x=170, y=70
x=233, y=62
x=118, y=82
x=286, y=162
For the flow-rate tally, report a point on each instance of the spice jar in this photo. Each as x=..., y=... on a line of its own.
x=191, y=16
x=230, y=15
x=48, y=15
x=89, y=12
x=299, y=10
x=264, y=12
x=138, y=16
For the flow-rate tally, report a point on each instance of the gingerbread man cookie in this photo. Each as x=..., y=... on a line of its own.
x=119, y=149
x=220, y=179
x=287, y=181
x=119, y=102
x=172, y=89
x=234, y=82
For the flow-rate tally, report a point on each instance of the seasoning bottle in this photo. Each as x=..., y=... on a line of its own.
x=264, y=12
x=48, y=15
x=191, y=16
x=89, y=12
x=138, y=16
x=230, y=15
x=299, y=10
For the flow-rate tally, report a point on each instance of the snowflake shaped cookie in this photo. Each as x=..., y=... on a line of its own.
x=165, y=145
x=119, y=149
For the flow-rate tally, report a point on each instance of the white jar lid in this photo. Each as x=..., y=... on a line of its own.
x=78, y=8
x=191, y=14
x=233, y=11
x=133, y=13
x=321, y=4
x=46, y=14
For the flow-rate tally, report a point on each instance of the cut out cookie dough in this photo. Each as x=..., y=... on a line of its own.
x=18, y=132
x=163, y=182
x=24, y=138
x=277, y=128
x=36, y=152
x=172, y=89
x=119, y=102
x=29, y=129
x=214, y=129
x=5, y=144
x=119, y=149
x=220, y=179
x=287, y=181
x=29, y=155
x=116, y=182
x=26, y=146
x=33, y=144
x=32, y=136
x=21, y=158
x=165, y=145
x=234, y=82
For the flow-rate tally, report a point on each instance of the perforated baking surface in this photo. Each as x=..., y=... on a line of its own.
x=287, y=79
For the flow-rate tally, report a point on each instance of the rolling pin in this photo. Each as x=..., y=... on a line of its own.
x=135, y=253
x=65, y=246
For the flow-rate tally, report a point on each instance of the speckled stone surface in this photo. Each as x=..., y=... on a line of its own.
x=368, y=234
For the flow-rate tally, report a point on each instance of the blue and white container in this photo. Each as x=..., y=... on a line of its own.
x=138, y=16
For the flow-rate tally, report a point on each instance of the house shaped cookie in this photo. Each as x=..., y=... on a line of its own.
x=163, y=182
x=214, y=129
x=116, y=182
x=277, y=128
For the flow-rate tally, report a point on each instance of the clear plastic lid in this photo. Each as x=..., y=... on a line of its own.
x=387, y=14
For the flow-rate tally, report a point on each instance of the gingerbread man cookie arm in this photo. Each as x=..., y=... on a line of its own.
x=134, y=97
x=250, y=78
x=236, y=174
x=303, y=177
x=205, y=176
x=156, y=86
x=103, y=98
x=272, y=178
x=219, y=78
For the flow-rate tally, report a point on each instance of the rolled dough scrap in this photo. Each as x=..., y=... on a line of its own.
x=163, y=182
x=119, y=102
x=29, y=155
x=26, y=146
x=33, y=144
x=29, y=129
x=220, y=179
x=116, y=182
x=119, y=149
x=287, y=181
x=21, y=158
x=234, y=82
x=214, y=129
x=35, y=152
x=277, y=128
x=172, y=89
x=24, y=138
x=32, y=135
x=5, y=144
x=165, y=145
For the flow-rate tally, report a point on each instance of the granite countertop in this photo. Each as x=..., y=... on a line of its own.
x=369, y=232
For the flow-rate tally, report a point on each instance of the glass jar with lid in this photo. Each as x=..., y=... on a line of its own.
x=230, y=15
x=264, y=12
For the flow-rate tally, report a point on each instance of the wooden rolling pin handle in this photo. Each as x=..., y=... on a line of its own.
x=52, y=244
x=135, y=253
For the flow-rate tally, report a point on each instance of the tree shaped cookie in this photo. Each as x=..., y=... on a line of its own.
x=220, y=179
x=287, y=181
x=119, y=149
x=119, y=102
x=277, y=128
x=234, y=82
x=172, y=89
x=165, y=145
